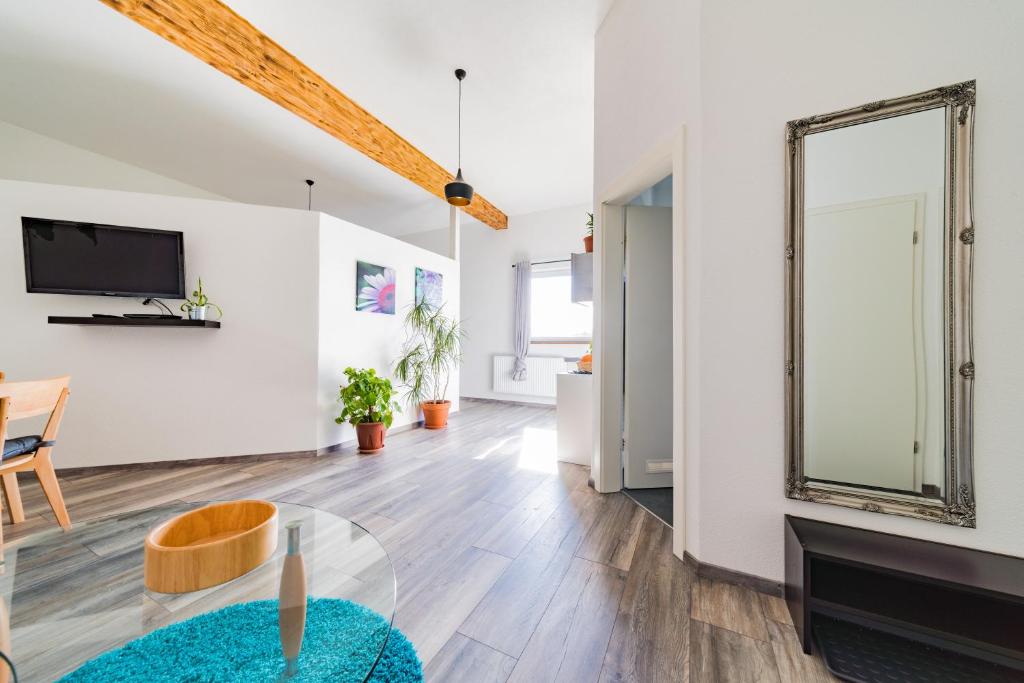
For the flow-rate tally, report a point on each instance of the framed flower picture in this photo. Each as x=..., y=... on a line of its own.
x=375, y=288
x=429, y=287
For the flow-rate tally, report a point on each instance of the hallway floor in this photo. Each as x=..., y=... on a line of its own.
x=656, y=501
x=510, y=568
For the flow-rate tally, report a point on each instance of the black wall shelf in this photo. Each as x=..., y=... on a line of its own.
x=131, y=322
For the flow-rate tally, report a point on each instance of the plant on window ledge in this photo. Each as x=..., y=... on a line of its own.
x=432, y=349
x=366, y=404
x=588, y=236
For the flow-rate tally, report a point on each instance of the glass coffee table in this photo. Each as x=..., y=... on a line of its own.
x=71, y=596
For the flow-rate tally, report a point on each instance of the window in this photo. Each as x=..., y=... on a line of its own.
x=553, y=315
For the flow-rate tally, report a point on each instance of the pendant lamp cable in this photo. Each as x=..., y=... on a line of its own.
x=309, y=196
x=460, y=124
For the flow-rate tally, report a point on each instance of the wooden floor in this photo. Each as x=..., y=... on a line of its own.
x=510, y=567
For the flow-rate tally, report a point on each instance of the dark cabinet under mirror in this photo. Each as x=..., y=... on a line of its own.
x=903, y=608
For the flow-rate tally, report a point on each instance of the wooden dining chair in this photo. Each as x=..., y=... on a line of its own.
x=21, y=400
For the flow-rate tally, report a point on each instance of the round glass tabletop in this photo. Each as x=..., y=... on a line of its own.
x=71, y=596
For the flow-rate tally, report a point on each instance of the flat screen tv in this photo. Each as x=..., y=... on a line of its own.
x=67, y=257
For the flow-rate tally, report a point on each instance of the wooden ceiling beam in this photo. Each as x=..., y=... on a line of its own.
x=216, y=34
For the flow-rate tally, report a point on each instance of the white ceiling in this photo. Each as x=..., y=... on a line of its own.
x=84, y=74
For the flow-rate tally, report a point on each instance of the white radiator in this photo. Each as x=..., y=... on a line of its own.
x=541, y=372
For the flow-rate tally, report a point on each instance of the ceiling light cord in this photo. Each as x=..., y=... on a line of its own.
x=460, y=124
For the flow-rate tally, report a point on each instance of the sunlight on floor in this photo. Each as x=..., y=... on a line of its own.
x=488, y=451
x=539, y=450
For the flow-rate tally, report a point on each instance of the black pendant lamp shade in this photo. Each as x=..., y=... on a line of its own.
x=459, y=192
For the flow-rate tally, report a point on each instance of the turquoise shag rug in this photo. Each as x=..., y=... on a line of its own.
x=242, y=643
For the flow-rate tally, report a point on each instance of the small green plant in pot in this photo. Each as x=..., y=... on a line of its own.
x=366, y=404
x=197, y=305
x=588, y=236
x=432, y=349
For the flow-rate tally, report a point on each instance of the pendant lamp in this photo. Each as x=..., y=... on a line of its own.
x=459, y=192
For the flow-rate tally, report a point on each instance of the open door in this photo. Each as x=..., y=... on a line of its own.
x=647, y=424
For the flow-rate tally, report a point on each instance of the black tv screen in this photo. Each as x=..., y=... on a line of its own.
x=66, y=257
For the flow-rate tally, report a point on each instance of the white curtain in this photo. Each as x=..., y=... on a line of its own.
x=521, y=311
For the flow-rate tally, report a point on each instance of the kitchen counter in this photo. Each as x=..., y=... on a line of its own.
x=575, y=417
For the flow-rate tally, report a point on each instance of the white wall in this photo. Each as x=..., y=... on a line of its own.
x=149, y=394
x=733, y=73
x=367, y=340
x=265, y=382
x=648, y=100
x=487, y=286
x=431, y=240
x=25, y=155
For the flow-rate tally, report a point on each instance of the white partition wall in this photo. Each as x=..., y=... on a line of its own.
x=362, y=339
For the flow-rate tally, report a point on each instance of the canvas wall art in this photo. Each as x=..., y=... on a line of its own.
x=375, y=288
x=429, y=287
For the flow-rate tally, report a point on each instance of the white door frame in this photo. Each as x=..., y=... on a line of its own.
x=606, y=470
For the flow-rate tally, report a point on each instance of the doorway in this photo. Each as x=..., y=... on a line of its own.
x=647, y=350
x=639, y=179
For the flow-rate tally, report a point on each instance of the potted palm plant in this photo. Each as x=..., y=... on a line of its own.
x=366, y=404
x=588, y=236
x=432, y=348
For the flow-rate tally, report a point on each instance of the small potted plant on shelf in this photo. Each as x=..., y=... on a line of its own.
x=197, y=305
x=433, y=347
x=588, y=236
x=366, y=404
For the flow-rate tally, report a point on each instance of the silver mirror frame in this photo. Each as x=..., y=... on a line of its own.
x=957, y=506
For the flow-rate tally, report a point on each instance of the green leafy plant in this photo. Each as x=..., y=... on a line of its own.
x=433, y=347
x=199, y=299
x=366, y=398
x=590, y=225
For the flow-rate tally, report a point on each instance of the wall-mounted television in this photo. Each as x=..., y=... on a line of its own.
x=68, y=257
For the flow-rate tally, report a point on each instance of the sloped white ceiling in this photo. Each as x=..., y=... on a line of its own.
x=84, y=74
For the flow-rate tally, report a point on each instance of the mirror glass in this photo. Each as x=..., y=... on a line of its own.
x=874, y=345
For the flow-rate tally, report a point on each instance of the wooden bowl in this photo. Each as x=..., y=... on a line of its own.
x=210, y=545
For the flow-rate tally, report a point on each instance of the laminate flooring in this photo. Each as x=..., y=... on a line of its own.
x=509, y=566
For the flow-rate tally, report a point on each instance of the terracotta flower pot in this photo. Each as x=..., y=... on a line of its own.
x=435, y=414
x=371, y=436
x=588, y=243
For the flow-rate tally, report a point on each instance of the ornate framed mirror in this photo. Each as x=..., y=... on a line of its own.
x=879, y=364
